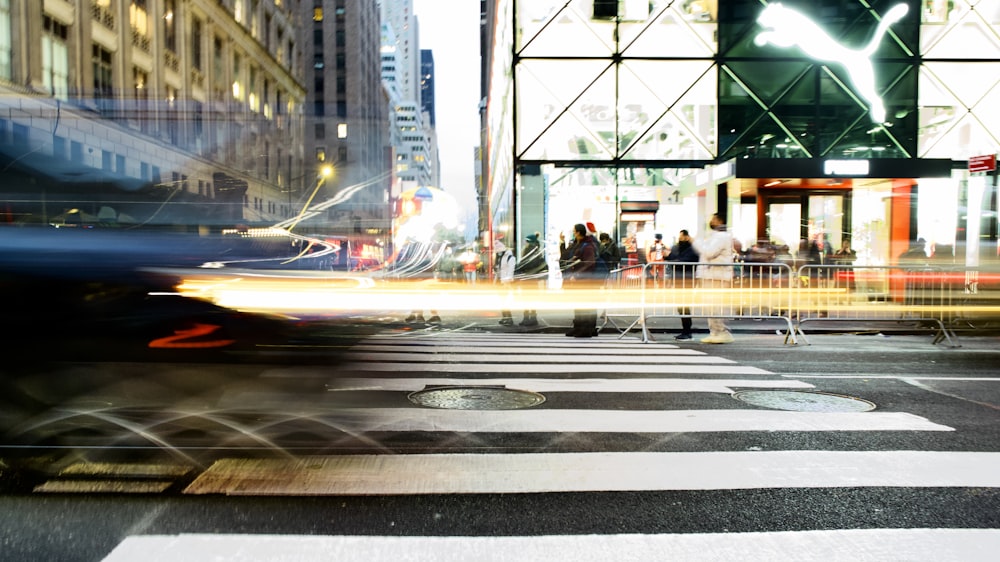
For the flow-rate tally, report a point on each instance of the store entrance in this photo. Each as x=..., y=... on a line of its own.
x=799, y=218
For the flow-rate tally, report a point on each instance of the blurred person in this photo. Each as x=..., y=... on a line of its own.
x=505, y=262
x=655, y=255
x=845, y=254
x=532, y=264
x=581, y=270
x=683, y=272
x=470, y=265
x=609, y=251
x=716, y=271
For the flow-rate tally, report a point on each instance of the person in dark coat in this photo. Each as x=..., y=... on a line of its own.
x=581, y=274
x=685, y=256
x=532, y=264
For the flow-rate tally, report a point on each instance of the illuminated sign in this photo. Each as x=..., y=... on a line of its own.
x=785, y=27
x=845, y=167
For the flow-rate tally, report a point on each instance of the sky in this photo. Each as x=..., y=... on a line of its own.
x=450, y=28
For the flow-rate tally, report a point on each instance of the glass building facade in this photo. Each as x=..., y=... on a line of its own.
x=799, y=119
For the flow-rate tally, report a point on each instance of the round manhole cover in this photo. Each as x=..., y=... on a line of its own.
x=476, y=398
x=803, y=401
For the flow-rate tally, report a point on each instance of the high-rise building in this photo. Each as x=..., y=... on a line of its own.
x=410, y=136
x=150, y=111
x=346, y=116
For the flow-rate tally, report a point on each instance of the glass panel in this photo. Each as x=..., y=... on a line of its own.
x=783, y=220
x=571, y=114
x=826, y=222
x=685, y=29
x=561, y=28
x=661, y=115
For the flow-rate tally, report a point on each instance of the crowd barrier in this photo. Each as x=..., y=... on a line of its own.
x=898, y=296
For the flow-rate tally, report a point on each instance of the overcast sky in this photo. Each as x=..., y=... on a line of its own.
x=450, y=28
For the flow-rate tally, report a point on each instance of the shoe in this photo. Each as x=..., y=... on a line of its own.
x=506, y=321
x=682, y=336
x=420, y=318
x=434, y=319
x=724, y=337
x=529, y=322
x=411, y=318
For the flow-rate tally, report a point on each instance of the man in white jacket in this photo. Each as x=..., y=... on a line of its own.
x=505, y=274
x=716, y=272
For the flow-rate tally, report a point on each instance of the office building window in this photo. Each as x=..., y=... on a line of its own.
x=55, y=59
x=104, y=94
x=6, y=42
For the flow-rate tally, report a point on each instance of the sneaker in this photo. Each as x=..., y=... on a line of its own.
x=529, y=322
x=434, y=319
x=505, y=321
x=724, y=337
x=682, y=336
x=411, y=318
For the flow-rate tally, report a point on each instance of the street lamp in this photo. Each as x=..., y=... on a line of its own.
x=325, y=172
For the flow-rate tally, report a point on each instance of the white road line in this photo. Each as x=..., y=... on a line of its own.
x=944, y=545
x=525, y=358
x=357, y=420
x=655, y=369
x=724, y=386
x=548, y=349
x=364, y=475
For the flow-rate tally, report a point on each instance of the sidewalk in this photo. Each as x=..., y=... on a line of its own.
x=662, y=330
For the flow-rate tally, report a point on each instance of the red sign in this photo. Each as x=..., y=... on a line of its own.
x=986, y=163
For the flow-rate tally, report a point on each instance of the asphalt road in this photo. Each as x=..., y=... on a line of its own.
x=642, y=450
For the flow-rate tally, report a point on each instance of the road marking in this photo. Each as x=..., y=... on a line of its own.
x=494, y=473
x=367, y=420
x=482, y=357
x=657, y=369
x=564, y=385
x=549, y=349
x=805, y=546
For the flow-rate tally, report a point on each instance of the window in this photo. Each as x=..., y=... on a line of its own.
x=103, y=83
x=169, y=26
x=6, y=43
x=196, y=54
x=320, y=132
x=321, y=154
x=341, y=130
x=55, y=59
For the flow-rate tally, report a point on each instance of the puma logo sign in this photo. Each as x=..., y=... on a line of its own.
x=785, y=27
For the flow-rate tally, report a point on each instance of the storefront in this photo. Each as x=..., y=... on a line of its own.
x=728, y=106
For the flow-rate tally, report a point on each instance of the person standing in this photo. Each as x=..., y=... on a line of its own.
x=656, y=254
x=532, y=264
x=685, y=256
x=581, y=272
x=505, y=274
x=609, y=251
x=716, y=272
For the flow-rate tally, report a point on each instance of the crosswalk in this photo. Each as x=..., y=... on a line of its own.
x=600, y=388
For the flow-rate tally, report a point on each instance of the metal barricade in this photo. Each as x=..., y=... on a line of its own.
x=630, y=280
x=755, y=291
x=885, y=294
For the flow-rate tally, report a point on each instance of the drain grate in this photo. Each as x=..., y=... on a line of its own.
x=799, y=401
x=476, y=398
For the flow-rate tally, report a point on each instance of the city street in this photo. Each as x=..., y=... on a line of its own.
x=472, y=440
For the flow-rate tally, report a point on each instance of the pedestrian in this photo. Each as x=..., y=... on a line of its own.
x=683, y=272
x=504, y=270
x=532, y=264
x=609, y=251
x=470, y=265
x=716, y=272
x=581, y=273
x=655, y=256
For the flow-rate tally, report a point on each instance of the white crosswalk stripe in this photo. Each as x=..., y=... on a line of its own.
x=602, y=369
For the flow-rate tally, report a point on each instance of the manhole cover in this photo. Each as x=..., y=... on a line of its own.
x=803, y=401
x=476, y=398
